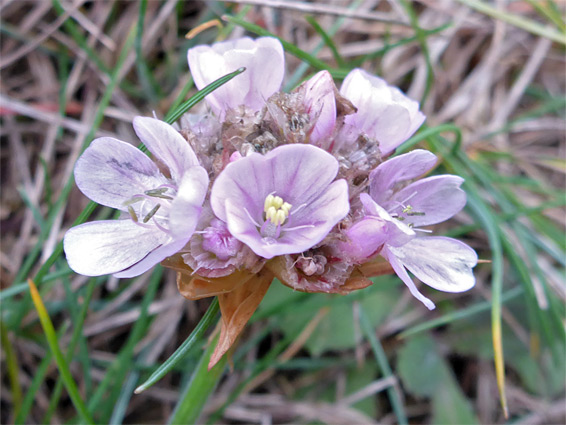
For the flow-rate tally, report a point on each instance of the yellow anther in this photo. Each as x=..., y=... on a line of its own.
x=276, y=210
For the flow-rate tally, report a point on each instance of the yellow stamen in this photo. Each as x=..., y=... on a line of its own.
x=276, y=210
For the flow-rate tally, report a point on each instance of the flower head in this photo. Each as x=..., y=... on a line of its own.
x=300, y=190
x=264, y=62
x=283, y=202
x=384, y=113
x=161, y=210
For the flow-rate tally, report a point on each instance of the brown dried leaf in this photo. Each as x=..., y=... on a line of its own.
x=237, y=307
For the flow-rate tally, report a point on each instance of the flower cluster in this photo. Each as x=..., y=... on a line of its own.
x=269, y=184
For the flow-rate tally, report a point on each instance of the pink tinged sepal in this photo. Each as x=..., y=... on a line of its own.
x=263, y=59
x=384, y=112
x=320, y=104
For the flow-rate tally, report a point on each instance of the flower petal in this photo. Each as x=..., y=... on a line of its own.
x=433, y=200
x=111, y=171
x=364, y=238
x=301, y=233
x=442, y=263
x=384, y=112
x=187, y=205
x=397, y=170
x=320, y=104
x=254, y=86
x=153, y=258
x=398, y=233
x=301, y=175
x=404, y=276
x=183, y=219
x=296, y=173
x=166, y=144
x=105, y=247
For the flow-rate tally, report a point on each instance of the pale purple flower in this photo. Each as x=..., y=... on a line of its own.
x=320, y=105
x=263, y=59
x=160, y=211
x=283, y=202
x=384, y=113
x=393, y=217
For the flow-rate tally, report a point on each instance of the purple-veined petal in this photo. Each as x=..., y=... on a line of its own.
x=442, y=263
x=432, y=200
x=297, y=235
x=404, y=276
x=302, y=176
x=296, y=173
x=105, y=247
x=397, y=170
x=254, y=86
x=166, y=144
x=183, y=218
x=187, y=205
x=111, y=171
x=321, y=106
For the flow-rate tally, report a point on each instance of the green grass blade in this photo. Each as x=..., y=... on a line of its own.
x=148, y=83
x=519, y=22
x=13, y=369
x=78, y=323
x=195, y=336
x=62, y=364
x=459, y=314
x=421, y=37
x=491, y=227
x=118, y=370
x=381, y=359
x=289, y=47
x=184, y=107
x=199, y=388
x=327, y=40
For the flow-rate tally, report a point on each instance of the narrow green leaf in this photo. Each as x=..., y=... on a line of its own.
x=518, y=21
x=327, y=40
x=289, y=47
x=195, y=336
x=118, y=370
x=199, y=388
x=150, y=86
x=13, y=368
x=78, y=323
x=62, y=365
x=184, y=107
x=459, y=314
x=381, y=358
